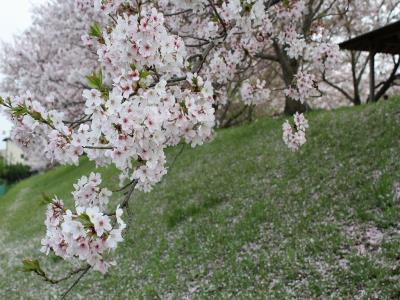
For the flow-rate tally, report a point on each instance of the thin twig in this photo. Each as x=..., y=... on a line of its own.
x=125, y=203
x=197, y=45
x=124, y=187
x=113, y=18
x=129, y=194
x=204, y=55
x=99, y=147
x=75, y=282
x=219, y=17
x=178, y=13
x=56, y=281
x=176, y=157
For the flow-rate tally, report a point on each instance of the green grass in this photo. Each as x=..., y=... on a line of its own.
x=241, y=217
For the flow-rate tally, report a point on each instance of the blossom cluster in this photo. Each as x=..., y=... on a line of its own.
x=131, y=123
x=88, y=193
x=306, y=86
x=295, y=137
x=140, y=43
x=32, y=119
x=89, y=235
x=254, y=94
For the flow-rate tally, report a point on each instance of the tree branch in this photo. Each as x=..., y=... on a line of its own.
x=335, y=86
x=75, y=282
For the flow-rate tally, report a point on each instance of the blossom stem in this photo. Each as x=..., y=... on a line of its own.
x=124, y=187
x=176, y=157
x=75, y=282
x=56, y=281
x=125, y=202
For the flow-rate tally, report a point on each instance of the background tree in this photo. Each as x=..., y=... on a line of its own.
x=49, y=58
x=307, y=29
x=50, y=61
x=350, y=80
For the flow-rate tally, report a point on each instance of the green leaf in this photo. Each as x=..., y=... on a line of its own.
x=36, y=116
x=85, y=219
x=45, y=199
x=143, y=74
x=214, y=18
x=100, y=76
x=32, y=265
x=19, y=110
x=183, y=107
x=95, y=30
x=95, y=80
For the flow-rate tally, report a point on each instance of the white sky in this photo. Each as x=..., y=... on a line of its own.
x=14, y=18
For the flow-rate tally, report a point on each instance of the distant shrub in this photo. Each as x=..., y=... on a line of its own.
x=2, y=166
x=14, y=173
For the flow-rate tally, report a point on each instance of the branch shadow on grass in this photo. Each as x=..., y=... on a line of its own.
x=180, y=214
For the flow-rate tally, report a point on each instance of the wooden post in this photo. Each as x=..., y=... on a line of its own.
x=372, y=77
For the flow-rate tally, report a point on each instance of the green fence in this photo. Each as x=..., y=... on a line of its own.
x=3, y=189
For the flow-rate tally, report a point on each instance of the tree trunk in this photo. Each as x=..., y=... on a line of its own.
x=289, y=69
x=357, y=100
x=356, y=82
x=293, y=106
x=388, y=83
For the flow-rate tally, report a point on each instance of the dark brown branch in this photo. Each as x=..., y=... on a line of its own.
x=231, y=120
x=176, y=157
x=125, y=203
x=75, y=282
x=267, y=57
x=98, y=147
x=338, y=88
x=205, y=54
x=386, y=85
x=197, y=45
x=56, y=281
x=178, y=13
x=124, y=187
x=218, y=17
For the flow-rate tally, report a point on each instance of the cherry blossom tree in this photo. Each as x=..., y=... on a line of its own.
x=307, y=52
x=50, y=61
x=164, y=68
x=286, y=61
x=349, y=80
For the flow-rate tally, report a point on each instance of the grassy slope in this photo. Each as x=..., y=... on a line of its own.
x=242, y=217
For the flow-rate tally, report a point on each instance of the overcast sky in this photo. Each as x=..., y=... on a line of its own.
x=14, y=18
